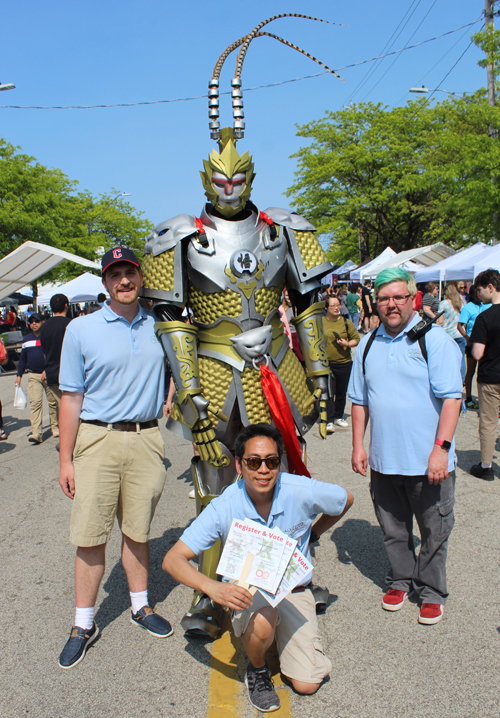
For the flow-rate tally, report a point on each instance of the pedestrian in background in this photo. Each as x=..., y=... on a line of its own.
x=33, y=361
x=340, y=337
x=430, y=301
x=485, y=338
x=451, y=305
x=51, y=337
x=353, y=301
x=467, y=318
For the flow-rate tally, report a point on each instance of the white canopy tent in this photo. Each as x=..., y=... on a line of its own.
x=359, y=274
x=84, y=288
x=30, y=261
x=436, y=273
x=489, y=258
x=426, y=256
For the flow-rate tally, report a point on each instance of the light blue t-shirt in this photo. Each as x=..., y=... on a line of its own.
x=119, y=367
x=469, y=313
x=404, y=395
x=296, y=503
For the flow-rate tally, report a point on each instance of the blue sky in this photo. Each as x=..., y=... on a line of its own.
x=60, y=52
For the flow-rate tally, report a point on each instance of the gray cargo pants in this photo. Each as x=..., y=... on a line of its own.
x=397, y=499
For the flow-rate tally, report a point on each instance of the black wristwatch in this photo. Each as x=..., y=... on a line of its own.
x=314, y=538
x=446, y=445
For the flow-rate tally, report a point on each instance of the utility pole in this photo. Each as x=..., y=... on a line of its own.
x=488, y=21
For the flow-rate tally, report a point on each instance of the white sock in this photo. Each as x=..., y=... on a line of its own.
x=84, y=617
x=139, y=599
x=486, y=466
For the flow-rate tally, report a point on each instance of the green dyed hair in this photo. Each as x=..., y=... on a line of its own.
x=395, y=274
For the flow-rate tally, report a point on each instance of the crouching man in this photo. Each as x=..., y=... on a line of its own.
x=275, y=499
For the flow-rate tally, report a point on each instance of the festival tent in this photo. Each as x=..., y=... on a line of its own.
x=419, y=256
x=345, y=268
x=359, y=274
x=84, y=288
x=436, y=273
x=30, y=261
x=468, y=271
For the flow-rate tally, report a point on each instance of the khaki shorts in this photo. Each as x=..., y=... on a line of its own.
x=297, y=638
x=117, y=473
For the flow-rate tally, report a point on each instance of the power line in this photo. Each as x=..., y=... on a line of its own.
x=453, y=67
x=398, y=56
x=388, y=46
x=437, y=63
x=248, y=89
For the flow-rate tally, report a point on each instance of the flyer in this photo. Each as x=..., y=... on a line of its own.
x=297, y=569
x=267, y=545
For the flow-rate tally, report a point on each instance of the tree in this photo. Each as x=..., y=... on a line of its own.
x=42, y=205
x=403, y=177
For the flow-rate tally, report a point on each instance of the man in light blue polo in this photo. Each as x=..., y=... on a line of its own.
x=413, y=403
x=291, y=503
x=111, y=451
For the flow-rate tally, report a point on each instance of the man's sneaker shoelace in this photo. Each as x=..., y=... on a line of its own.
x=260, y=681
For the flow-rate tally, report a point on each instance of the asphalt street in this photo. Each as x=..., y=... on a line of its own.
x=384, y=664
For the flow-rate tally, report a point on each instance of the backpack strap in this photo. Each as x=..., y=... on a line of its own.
x=421, y=343
x=346, y=327
x=423, y=348
x=368, y=345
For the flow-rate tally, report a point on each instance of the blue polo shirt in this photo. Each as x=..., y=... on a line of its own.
x=296, y=503
x=119, y=367
x=404, y=395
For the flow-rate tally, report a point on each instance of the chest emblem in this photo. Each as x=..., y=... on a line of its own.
x=243, y=262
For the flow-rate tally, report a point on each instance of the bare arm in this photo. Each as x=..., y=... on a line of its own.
x=359, y=418
x=438, y=459
x=461, y=329
x=428, y=311
x=177, y=563
x=167, y=410
x=69, y=421
x=326, y=521
x=478, y=350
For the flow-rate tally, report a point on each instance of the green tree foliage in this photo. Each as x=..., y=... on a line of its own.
x=404, y=177
x=41, y=204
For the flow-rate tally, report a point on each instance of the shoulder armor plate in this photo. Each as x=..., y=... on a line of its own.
x=289, y=219
x=168, y=234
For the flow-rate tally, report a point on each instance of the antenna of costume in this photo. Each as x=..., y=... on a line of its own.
x=236, y=92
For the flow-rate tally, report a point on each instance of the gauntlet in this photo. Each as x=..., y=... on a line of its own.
x=309, y=327
x=179, y=344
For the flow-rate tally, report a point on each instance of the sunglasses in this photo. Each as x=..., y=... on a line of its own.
x=254, y=463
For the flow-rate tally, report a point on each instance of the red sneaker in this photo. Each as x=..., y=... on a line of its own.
x=431, y=613
x=394, y=599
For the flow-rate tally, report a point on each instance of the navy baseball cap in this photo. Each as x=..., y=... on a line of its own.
x=35, y=317
x=118, y=254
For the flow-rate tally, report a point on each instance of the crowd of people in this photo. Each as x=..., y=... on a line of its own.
x=104, y=378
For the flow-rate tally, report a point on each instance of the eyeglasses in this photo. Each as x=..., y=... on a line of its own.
x=254, y=462
x=398, y=301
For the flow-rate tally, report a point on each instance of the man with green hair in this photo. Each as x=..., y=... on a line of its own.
x=411, y=391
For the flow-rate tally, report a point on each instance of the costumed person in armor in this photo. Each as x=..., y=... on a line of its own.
x=234, y=365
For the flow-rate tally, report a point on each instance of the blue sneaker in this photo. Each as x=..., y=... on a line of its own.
x=76, y=646
x=152, y=622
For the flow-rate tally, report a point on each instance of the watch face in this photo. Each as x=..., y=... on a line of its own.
x=446, y=445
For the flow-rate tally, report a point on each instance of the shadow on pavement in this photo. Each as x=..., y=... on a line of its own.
x=160, y=583
x=6, y=446
x=359, y=543
x=465, y=459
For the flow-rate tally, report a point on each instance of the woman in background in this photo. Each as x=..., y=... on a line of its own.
x=452, y=306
